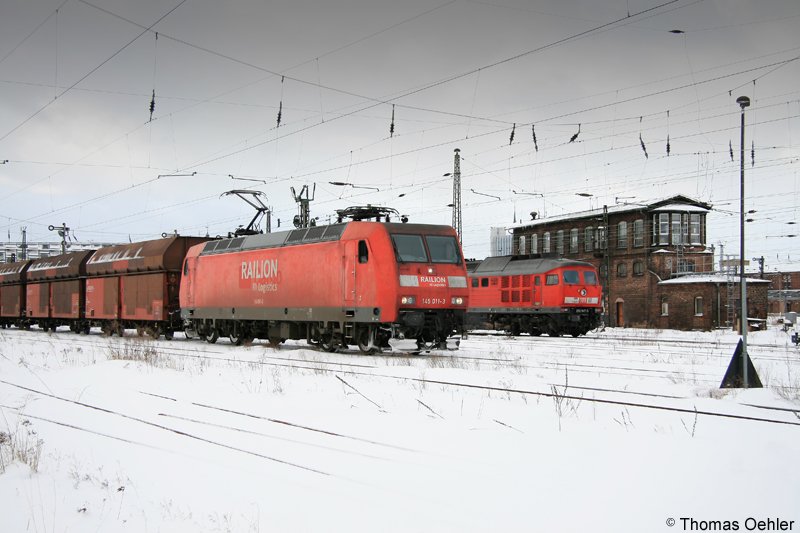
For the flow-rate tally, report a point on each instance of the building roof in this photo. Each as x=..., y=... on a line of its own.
x=708, y=278
x=671, y=203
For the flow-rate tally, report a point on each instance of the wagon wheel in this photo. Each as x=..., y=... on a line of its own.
x=169, y=334
x=275, y=341
x=153, y=331
x=119, y=330
x=212, y=336
x=86, y=329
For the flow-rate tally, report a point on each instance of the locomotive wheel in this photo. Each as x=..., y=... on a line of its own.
x=366, y=344
x=275, y=341
x=212, y=336
x=169, y=334
x=239, y=339
x=327, y=342
x=153, y=331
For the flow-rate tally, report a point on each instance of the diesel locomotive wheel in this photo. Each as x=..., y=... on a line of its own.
x=169, y=334
x=212, y=336
x=275, y=341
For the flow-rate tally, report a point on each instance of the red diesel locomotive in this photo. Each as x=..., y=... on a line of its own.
x=535, y=295
x=354, y=283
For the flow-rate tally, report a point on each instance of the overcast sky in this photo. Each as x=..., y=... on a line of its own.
x=77, y=79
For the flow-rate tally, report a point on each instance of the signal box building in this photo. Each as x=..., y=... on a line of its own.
x=654, y=264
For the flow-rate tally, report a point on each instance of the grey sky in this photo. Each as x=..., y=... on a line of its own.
x=75, y=96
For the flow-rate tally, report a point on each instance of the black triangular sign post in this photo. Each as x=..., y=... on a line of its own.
x=734, y=377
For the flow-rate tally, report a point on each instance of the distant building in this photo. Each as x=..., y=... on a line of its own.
x=11, y=252
x=654, y=264
x=784, y=291
x=500, y=241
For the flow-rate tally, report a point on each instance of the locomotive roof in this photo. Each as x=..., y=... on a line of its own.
x=511, y=265
x=310, y=235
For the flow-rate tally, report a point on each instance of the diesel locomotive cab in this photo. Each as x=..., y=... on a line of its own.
x=432, y=284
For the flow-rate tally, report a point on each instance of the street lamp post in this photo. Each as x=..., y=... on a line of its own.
x=743, y=102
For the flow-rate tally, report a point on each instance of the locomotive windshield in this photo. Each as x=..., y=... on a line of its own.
x=413, y=249
x=590, y=278
x=444, y=249
x=571, y=277
x=409, y=249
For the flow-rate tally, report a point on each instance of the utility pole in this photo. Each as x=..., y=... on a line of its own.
x=743, y=102
x=23, y=248
x=607, y=261
x=457, y=194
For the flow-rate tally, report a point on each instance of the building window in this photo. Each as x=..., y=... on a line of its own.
x=588, y=240
x=664, y=306
x=661, y=228
x=622, y=235
x=698, y=306
x=560, y=242
x=638, y=268
x=695, y=229
x=535, y=243
x=573, y=241
x=522, y=244
x=546, y=243
x=600, y=238
x=622, y=270
x=676, y=228
x=638, y=233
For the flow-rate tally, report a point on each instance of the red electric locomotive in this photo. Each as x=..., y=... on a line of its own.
x=534, y=295
x=358, y=282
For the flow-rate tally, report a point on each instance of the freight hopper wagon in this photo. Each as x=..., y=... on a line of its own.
x=12, y=294
x=520, y=294
x=355, y=283
x=136, y=286
x=55, y=291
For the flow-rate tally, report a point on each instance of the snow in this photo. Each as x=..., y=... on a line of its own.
x=174, y=436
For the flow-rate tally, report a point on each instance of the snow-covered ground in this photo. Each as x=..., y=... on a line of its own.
x=527, y=434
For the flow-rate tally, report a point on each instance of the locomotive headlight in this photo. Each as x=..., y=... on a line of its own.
x=457, y=300
x=408, y=300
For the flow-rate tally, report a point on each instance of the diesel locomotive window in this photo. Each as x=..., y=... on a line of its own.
x=443, y=249
x=484, y=282
x=589, y=277
x=571, y=277
x=409, y=248
x=551, y=279
x=474, y=282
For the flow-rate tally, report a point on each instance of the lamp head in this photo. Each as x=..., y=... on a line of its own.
x=743, y=102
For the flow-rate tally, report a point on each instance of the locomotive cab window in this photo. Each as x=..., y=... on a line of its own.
x=409, y=248
x=363, y=253
x=186, y=267
x=589, y=277
x=571, y=277
x=551, y=279
x=444, y=249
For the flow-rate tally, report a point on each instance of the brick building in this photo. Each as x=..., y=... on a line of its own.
x=784, y=292
x=654, y=264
